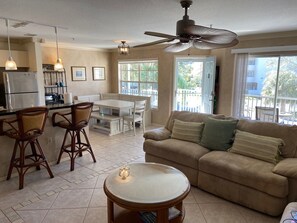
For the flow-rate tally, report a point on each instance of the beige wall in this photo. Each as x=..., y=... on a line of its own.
x=85, y=58
x=225, y=60
x=18, y=51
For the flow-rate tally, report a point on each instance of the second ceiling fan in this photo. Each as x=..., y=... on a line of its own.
x=189, y=35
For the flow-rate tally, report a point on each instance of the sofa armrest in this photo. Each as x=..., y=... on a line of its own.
x=157, y=134
x=287, y=167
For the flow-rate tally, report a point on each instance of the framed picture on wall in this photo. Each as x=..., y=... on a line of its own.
x=98, y=73
x=78, y=73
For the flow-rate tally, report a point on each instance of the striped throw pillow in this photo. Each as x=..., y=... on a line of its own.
x=187, y=131
x=256, y=146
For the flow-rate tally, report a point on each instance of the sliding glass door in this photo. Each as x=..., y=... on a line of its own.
x=272, y=82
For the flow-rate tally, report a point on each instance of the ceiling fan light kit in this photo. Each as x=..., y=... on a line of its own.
x=191, y=35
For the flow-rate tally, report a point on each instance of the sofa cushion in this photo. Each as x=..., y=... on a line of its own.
x=260, y=147
x=286, y=132
x=218, y=133
x=246, y=171
x=183, y=152
x=187, y=116
x=187, y=131
x=287, y=167
x=157, y=134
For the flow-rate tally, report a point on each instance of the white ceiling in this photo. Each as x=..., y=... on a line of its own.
x=102, y=23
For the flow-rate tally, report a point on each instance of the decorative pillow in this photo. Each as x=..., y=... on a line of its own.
x=260, y=147
x=187, y=131
x=218, y=134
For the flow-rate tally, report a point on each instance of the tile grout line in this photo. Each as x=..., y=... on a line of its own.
x=14, y=217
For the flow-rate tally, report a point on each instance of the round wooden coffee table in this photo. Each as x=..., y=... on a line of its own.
x=152, y=190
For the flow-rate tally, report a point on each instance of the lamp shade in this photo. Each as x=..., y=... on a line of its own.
x=58, y=65
x=123, y=48
x=10, y=64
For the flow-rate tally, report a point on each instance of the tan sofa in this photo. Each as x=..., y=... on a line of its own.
x=254, y=183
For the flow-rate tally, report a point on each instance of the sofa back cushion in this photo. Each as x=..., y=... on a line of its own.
x=187, y=131
x=187, y=116
x=286, y=132
x=218, y=134
x=264, y=148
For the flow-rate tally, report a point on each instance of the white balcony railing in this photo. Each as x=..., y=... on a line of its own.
x=287, y=107
x=188, y=100
x=191, y=100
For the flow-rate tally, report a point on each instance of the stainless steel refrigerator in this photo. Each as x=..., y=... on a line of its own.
x=20, y=89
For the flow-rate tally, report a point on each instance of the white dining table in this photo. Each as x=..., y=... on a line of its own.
x=122, y=106
x=109, y=115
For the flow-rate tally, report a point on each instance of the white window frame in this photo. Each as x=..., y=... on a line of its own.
x=154, y=97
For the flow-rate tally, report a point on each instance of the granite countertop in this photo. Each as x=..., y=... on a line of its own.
x=50, y=107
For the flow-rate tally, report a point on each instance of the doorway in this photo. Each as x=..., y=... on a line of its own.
x=194, y=84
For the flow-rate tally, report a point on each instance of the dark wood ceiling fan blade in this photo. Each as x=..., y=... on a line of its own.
x=209, y=46
x=204, y=45
x=218, y=39
x=154, y=43
x=207, y=31
x=178, y=47
x=162, y=35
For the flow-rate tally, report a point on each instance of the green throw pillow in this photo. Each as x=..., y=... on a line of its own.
x=218, y=133
x=256, y=146
x=187, y=131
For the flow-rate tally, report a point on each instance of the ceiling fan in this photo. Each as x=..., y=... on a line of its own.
x=191, y=35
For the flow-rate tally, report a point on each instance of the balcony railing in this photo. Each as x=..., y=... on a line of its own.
x=191, y=100
x=188, y=100
x=287, y=107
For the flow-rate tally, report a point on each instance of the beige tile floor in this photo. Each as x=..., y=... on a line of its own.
x=77, y=196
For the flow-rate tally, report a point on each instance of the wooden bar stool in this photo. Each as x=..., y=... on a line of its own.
x=25, y=129
x=74, y=123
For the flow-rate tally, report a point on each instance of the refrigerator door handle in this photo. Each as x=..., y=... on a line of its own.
x=7, y=93
x=6, y=78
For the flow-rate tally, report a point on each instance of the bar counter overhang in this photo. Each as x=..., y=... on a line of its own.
x=50, y=141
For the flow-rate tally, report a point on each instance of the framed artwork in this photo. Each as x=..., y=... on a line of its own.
x=98, y=73
x=78, y=73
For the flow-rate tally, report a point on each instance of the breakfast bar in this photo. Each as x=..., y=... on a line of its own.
x=50, y=141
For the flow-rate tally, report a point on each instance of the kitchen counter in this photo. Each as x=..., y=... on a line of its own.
x=50, y=107
x=50, y=141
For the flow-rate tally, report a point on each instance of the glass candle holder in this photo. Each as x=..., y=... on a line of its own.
x=124, y=172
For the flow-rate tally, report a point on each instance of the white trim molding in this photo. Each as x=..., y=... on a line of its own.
x=265, y=49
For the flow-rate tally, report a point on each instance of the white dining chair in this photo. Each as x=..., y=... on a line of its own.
x=137, y=115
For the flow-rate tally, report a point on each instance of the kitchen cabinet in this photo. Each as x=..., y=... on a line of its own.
x=55, y=86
